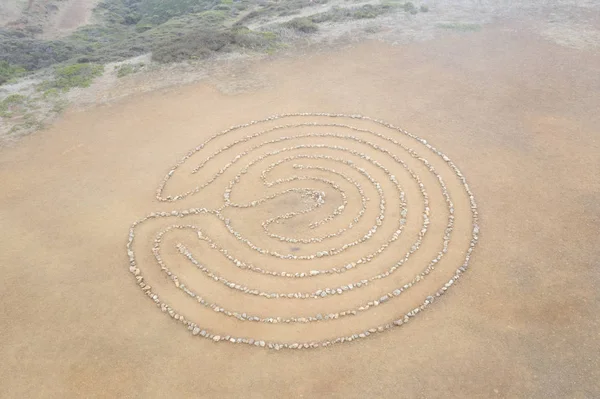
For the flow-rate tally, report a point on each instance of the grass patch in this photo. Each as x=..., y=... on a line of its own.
x=410, y=8
x=173, y=30
x=367, y=11
x=75, y=75
x=10, y=104
x=263, y=10
x=128, y=69
x=30, y=123
x=248, y=39
x=305, y=25
x=155, y=12
x=460, y=27
x=125, y=31
x=203, y=43
x=129, y=28
x=9, y=72
x=29, y=53
x=194, y=45
x=160, y=11
x=59, y=106
x=248, y=18
x=291, y=7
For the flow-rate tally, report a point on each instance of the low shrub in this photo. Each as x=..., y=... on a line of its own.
x=32, y=54
x=128, y=69
x=460, y=27
x=8, y=72
x=366, y=11
x=249, y=39
x=304, y=25
x=410, y=7
x=8, y=105
x=339, y=14
x=74, y=75
x=195, y=45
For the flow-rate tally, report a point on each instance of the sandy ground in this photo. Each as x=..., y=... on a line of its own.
x=517, y=113
x=55, y=19
x=11, y=10
x=70, y=15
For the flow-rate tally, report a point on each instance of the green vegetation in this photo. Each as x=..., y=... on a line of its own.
x=194, y=45
x=59, y=106
x=128, y=69
x=75, y=75
x=247, y=18
x=202, y=43
x=154, y=12
x=304, y=25
x=253, y=40
x=459, y=26
x=9, y=72
x=265, y=10
x=29, y=53
x=128, y=28
x=18, y=108
x=367, y=11
x=30, y=123
x=291, y=7
x=410, y=7
x=10, y=104
x=174, y=30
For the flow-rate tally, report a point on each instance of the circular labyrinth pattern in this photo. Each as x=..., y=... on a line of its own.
x=305, y=230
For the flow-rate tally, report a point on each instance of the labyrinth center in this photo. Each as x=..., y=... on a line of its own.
x=304, y=230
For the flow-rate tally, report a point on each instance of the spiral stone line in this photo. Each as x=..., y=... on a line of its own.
x=301, y=157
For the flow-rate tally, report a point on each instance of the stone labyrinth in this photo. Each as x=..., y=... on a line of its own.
x=303, y=231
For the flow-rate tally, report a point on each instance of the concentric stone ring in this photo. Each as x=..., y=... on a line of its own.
x=305, y=230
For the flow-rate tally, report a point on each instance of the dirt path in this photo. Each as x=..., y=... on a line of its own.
x=516, y=113
x=71, y=15
x=11, y=10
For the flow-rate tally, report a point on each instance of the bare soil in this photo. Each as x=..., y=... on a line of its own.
x=11, y=10
x=516, y=112
x=71, y=15
x=52, y=18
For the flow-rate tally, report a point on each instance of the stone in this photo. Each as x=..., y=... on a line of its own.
x=313, y=142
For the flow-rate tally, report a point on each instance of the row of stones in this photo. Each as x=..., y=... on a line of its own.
x=316, y=294
x=319, y=201
x=379, y=220
x=321, y=292
x=199, y=331
x=334, y=251
x=244, y=316
x=255, y=203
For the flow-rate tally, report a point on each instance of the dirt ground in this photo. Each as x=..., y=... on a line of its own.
x=518, y=115
x=11, y=10
x=71, y=15
x=53, y=18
